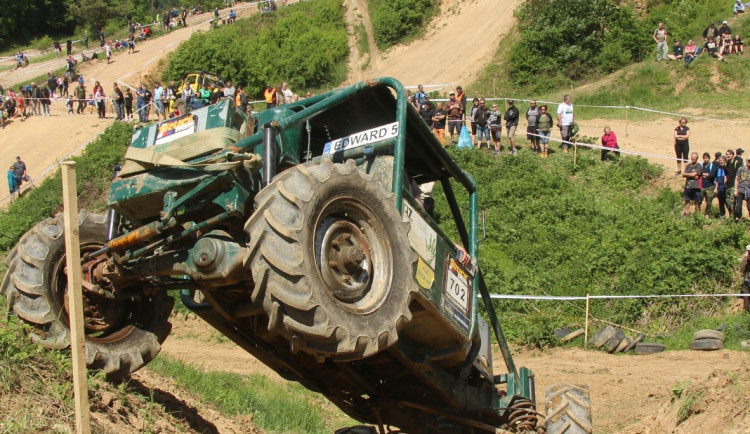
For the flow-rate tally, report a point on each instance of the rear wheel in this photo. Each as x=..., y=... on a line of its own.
x=331, y=258
x=568, y=409
x=121, y=335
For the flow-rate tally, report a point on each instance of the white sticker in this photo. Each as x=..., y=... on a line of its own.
x=457, y=284
x=422, y=237
x=362, y=138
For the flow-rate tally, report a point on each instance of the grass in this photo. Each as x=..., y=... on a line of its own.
x=275, y=407
x=363, y=44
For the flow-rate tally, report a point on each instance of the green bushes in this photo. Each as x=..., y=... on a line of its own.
x=559, y=229
x=304, y=44
x=94, y=173
x=394, y=20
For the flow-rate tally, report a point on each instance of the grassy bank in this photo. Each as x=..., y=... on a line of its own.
x=397, y=21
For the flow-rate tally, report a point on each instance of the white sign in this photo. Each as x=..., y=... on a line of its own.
x=175, y=128
x=362, y=138
x=458, y=286
x=422, y=237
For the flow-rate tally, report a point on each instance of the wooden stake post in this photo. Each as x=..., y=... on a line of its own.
x=586, y=329
x=75, y=297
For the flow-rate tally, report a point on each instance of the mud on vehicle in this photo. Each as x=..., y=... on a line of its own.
x=302, y=235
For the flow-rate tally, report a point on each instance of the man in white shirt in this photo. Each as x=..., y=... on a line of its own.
x=565, y=120
x=288, y=94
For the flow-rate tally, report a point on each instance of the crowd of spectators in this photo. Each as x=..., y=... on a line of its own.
x=718, y=42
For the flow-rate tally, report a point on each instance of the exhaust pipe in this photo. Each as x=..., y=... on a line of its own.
x=269, y=154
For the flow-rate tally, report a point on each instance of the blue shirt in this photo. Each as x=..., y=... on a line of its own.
x=12, y=181
x=720, y=174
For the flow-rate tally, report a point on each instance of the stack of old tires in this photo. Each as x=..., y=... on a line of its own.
x=707, y=340
x=614, y=340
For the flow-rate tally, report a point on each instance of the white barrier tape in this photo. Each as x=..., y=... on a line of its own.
x=605, y=297
x=439, y=86
x=620, y=150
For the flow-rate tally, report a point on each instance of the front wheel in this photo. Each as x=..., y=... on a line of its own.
x=568, y=409
x=121, y=335
x=331, y=256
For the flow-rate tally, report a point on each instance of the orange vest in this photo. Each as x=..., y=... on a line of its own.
x=237, y=100
x=270, y=95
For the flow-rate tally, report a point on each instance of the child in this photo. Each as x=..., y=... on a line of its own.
x=12, y=183
x=69, y=103
x=92, y=103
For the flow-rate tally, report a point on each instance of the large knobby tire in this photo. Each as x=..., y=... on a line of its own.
x=708, y=334
x=568, y=409
x=707, y=344
x=121, y=336
x=644, y=348
x=330, y=256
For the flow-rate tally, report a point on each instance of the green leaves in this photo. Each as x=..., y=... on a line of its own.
x=393, y=20
x=303, y=44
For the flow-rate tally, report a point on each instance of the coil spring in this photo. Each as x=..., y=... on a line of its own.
x=523, y=416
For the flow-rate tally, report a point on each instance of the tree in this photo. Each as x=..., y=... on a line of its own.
x=92, y=12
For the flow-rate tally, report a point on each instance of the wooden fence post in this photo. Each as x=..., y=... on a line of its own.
x=75, y=297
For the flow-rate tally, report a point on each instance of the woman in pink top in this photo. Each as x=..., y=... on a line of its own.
x=690, y=52
x=609, y=140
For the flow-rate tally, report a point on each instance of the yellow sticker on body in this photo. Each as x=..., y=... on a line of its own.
x=425, y=275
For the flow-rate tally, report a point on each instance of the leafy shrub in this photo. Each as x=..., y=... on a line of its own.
x=94, y=173
x=42, y=43
x=558, y=229
x=303, y=44
x=394, y=20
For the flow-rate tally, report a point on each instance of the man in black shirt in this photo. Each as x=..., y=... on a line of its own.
x=438, y=123
x=733, y=164
x=511, y=123
x=692, y=192
x=427, y=111
x=711, y=31
x=708, y=186
x=677, y=51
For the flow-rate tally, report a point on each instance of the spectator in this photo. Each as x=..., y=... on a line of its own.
x=69, y=47
x=544, y=126
x=660, y=37
x=609, y=140
x=12, y=183
x=51, y=82
x=565, y=120
x=187, y=98
x=427, y=111
x=100, y=98
x=710, y=31
x=229, y=90
x=495, y=122
x=159, y=102
x=205, y=95
x=36, y=97
x=711, y=47
x=690, y=52
x=86, y=39
x=725, y=39
x=438, y=123
x=270, y=95
x=286, y=92
x=454, y=109
x=733, y=164
x=681, y=144
x=511, y=123
x=131, y=43
x=19, y=171
x=119, y=103
x=184, y=17
x=46, y=101
x=143, y=98
x=419, y=96
x=737, y=45
x=692, y=192
x=708, y=186
x=461, y=97
x=721, y=186
x=69, y=103
x=240, y=99
x=128, y=104
x=677, y=51
x=742, y=190
x=216, y=94
x=481, y=117
x=58, y=48
x=108, y=51
x=532, y=118
x=472, y=120
x=412, y=102
x=745, y=271
x=92, y=103
x=739, y=7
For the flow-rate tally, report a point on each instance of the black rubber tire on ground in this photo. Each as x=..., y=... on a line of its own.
x=304, y=221
x=644, y=348
x=614, y=341
x=638, y=339
x=572, y=335
x=568, y=409
x=706, y=345
x=120, y=341
x=708, y=334
x=624, y=344
x=562, y=332
x=602, y=337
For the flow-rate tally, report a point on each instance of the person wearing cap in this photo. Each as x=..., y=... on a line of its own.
x=692, y=191
x=742, y=190
x=745, y=273
x=711, y=31
x=725, y=38
x=454, y=110
x=681, y=144
x=427, y=111
x=739, y=7
x=677, y=51
x=511, y=123
x=660, y=37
